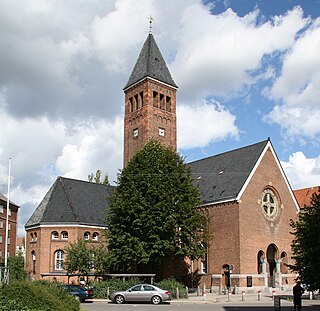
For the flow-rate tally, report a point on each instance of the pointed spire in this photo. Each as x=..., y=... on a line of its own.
x=150, y=64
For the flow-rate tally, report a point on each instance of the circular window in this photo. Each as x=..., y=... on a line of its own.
x=269, y=204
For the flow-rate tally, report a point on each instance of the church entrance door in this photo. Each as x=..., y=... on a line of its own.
x=271, y=259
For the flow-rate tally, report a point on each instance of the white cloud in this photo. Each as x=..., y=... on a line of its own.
x=220, y=55
x=204, y=123
x=99, y=147
x=301, y=171
x=297, y=89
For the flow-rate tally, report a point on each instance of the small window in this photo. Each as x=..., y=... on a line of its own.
x=161, y=132
x=59, y=260
x=1, y=209
x=54, y=235
x=9, y=211
x=8, y=241
x=64, y=235
x=95, y=236
x=0, y=238
x=1, y=224
x=9, y=227
x=87, y=236
x=135, y=133
x=35, y=236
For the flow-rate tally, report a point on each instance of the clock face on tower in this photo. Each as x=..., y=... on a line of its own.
x=150, y=102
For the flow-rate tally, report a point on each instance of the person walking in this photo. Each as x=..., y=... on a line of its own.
x=297, y=293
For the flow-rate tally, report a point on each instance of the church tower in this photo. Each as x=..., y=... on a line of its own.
x=150, y=102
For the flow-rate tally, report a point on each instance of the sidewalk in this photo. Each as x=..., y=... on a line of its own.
x=239, y=298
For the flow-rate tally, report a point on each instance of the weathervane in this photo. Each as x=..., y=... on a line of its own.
x=150, y=22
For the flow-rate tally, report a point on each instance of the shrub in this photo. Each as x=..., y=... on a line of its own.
x=172, y=285
x=37, y=296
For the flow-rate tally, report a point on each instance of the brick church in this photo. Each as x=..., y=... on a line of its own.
x=245, y=192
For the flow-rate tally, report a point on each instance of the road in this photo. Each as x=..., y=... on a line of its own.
x=176, y=306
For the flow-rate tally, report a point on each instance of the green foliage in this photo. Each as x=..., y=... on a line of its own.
x=306, y=244
x=82, y=258
x=79, y=257
x=153, y=213
x=97, y=178
x=172, y=285
x=100, y=289
x=36, y=296
x=16, y=268
x=101, y=260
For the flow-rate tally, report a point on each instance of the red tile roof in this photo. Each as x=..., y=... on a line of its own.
x=304, y=195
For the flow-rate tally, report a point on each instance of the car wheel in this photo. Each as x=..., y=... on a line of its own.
x=119, y=299
x=156, y=300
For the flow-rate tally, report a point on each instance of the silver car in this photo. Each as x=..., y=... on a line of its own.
x=141, y=292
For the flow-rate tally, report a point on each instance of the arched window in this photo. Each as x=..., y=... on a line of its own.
x=35, y=236
x=54, y=235
x=34, y=258
x=260, y=259
x=64, y=235
x=284, y=262
x=58, y=260
x=95, y=236
x=31, y=237
x=86, y=235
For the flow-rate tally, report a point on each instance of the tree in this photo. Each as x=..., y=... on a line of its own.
x=97, y=178
x=153, y=215
x=79, y=257
x=83, y=258
x=306, y=244
x=16, y=267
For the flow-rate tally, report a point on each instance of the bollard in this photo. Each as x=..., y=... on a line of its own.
x=204, y=295
x=273, y=294
x=177, y=292
x=243, y=294
x=229, y=294
x=310, y=295
x=259, y=295
x=187, y=292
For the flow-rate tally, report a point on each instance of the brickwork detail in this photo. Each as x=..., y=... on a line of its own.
x=150, y=113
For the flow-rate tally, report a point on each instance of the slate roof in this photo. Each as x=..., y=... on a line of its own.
x=150, y=63
x=221, y=177
x=71, y=201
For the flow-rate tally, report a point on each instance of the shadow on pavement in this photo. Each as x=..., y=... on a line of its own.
x=255, y=308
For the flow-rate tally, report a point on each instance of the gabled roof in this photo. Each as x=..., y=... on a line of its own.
x=71, y=201
x=222, y=177
x=150, y=64
x=304, y=195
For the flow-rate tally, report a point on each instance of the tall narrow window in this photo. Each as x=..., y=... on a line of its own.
x=260, y=259
x=130, y=104
x=141, y=99
x=155, y=99
x=58, y=260
x=136, y=101
x=34, y=258
x=168, y=103
x=162, y=103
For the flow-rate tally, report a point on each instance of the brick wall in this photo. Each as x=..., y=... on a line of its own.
x=150, y=106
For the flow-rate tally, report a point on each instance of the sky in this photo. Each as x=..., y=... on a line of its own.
x=246, y=70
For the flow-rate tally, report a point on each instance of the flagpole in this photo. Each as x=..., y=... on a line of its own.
x=7, y=219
